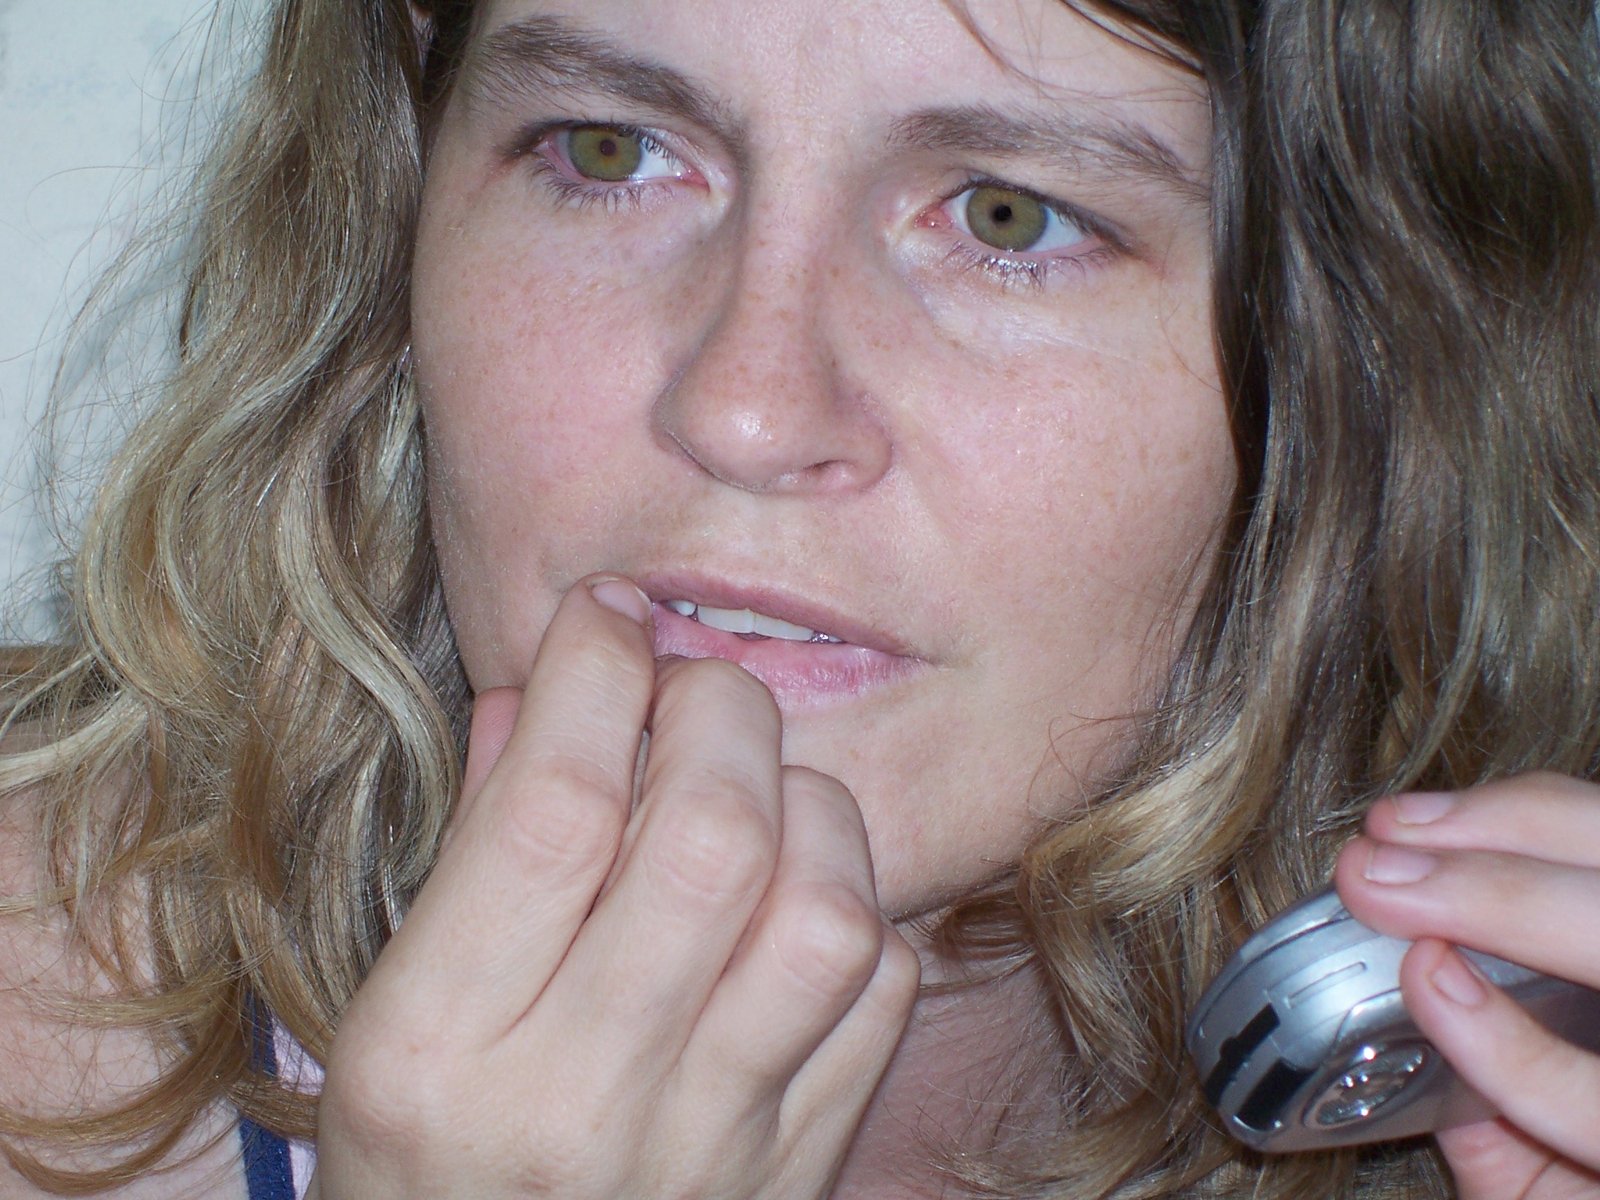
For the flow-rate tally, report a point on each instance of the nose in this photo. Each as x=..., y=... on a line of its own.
x=765, y=400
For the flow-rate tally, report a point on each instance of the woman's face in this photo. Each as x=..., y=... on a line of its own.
x=884, y=321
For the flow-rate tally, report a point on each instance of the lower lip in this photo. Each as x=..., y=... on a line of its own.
x=799, y=675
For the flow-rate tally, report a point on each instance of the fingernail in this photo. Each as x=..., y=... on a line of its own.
x=1422, y=808
x=1396, y=864
x=621, y=596
x=1455, y=979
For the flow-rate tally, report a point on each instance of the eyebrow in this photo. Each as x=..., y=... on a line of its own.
x=541, y=54
x=1071, y=139
x=547, y=53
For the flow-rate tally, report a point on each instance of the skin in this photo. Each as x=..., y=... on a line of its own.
x=773, y=368
x=1511, y=868
x=780, y=368
x=671, y=945
x=777, y=376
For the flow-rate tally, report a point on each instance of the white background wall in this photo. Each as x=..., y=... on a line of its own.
x=95, y=99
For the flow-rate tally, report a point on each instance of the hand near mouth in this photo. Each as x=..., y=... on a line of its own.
x=694, y=997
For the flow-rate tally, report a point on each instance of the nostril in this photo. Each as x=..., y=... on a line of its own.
x=834, y=473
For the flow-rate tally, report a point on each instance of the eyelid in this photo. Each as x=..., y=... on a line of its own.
x=1089, y=223
x=531, y=138
x=1102, y=243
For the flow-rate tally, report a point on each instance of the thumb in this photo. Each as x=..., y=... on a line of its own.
x=494, y=715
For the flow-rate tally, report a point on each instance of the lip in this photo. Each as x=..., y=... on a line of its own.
x=800, y=675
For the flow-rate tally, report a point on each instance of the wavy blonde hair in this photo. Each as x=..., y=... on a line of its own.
x=1407, y=308
x=258, y=633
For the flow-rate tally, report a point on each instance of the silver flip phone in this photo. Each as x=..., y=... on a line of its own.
x=1302, y=1042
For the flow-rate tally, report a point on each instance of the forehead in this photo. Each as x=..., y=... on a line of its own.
x=834, y=66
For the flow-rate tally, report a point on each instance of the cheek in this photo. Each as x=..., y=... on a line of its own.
x=1086, y=489
x=525, y=369
x=1109, y=463
x=525, y=332
x=522, y=370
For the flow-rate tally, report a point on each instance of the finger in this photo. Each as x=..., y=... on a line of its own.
x=494, y=715
x=1531, y=912
x=1490, y=1160
x=1544, y=1086
x=812, y=949
x=522, y=868
x=831, y=1092
x=701, y=855
x=1546, y=816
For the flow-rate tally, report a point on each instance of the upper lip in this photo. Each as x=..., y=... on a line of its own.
x=774, y=602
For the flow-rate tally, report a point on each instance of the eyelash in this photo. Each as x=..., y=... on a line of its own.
x=613, y=197
x=1030, y=273
x=1034, y=273
x=1010, y=272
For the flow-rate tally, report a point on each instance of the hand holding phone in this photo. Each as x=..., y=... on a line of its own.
x=1303, y=1042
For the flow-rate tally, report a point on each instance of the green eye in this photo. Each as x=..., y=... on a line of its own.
x=605, y=152
x=1006, y=219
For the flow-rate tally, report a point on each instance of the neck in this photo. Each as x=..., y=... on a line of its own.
x=975, y=1074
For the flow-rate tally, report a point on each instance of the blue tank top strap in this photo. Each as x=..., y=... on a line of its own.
x=267, y=1170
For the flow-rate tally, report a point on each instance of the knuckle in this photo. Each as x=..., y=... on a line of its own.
x=805, y=784
x=1521, y=1048
x=898, y=981
x=1561, y=791
x=1529, y=779
x=389, y=1097
x=397, y=1101
x=713, y=843
x=571, y=821
x=830, y=938
x=563, y=1151
x=830, y=809
x=1518, y=792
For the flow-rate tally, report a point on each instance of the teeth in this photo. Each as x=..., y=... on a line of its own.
x=729, y=620
x=748, y=622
